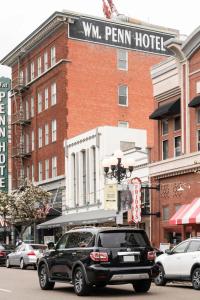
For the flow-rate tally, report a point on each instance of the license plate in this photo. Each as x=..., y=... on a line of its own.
x=129, y=258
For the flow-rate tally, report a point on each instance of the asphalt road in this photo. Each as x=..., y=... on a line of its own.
x=16, y=284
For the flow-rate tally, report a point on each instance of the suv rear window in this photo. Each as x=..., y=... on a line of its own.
x=123, y=239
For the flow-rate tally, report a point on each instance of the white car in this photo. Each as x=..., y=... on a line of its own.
x=182, y=263
x=25, y=255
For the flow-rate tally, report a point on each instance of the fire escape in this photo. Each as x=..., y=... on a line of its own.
x=20, y=121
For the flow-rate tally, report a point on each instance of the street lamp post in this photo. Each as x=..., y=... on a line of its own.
x=119, y=168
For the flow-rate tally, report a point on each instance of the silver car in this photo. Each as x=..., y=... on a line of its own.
x=25, y=255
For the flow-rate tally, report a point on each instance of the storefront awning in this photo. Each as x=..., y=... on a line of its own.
x=194, y=102
x=187, y=214
x=82, y=218
x=165, y=110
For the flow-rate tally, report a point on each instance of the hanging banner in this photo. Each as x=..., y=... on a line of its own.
x=4, y=89
x=110, y=197
x=134, y=214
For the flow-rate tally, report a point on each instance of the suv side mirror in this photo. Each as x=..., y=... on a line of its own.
x=168, y=251
x=51, y=245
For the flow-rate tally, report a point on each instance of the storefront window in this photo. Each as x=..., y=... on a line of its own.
x=164, y=126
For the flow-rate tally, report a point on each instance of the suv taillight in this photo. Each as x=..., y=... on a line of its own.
x=2, y=254
x=151, y=255
x=31, y=253
x=99, y=256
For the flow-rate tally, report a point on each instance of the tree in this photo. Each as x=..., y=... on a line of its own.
x=5, y=200
x=27, y=205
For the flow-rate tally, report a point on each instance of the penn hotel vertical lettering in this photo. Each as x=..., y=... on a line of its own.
x=4, y=89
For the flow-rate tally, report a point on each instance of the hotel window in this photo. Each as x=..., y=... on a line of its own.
x=165, y=213
x=177, y=123
x=53, y=130
x=198, y=116
x=123, y=95
x=164, y=126
x=46, y=98
x=165, y=149
x=198, y=87
x=177, y=146
x=32, y=106
x=145, y=198
x=122, y=59
x=27, y=143
x=198, y=140
x=40, y=171
x=84, y=175
x=32, y=71
x=39, y=65
x=39, y=137
x=26, y=76
x=53, y=56
x=46, y=61
x=53, y=94
x=21, y=77
x=46, y=128
x=123, y=124
x=39, y=102
x=27, y=109
x=46, y=169
x=32, y=173
x=54, y=166
x=32, y=140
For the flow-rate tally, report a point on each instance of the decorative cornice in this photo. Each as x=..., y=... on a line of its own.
x=46, y=28
x=175, y=92
x=82, y=140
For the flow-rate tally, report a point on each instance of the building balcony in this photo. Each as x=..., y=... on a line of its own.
x=19, y=85
x=20, y=118
x=20, y=152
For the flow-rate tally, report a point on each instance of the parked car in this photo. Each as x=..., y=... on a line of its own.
x=182, y=263
x=4, y=251
x=99, y=256
x=25, y=255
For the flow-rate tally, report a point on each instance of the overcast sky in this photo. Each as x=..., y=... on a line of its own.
x=18, y=18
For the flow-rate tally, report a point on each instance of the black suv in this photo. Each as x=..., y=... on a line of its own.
x=99, y=256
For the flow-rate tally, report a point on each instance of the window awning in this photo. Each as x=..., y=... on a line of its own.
x=82, y=218
x=194, y=102
x=165, y=110
x=187, y=214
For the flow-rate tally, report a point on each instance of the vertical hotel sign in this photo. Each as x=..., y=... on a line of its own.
x=134, y=214
x=4, y=89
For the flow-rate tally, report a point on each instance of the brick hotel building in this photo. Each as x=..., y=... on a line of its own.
x=72, y=74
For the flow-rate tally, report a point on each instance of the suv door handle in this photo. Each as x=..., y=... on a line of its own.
x=73, y=253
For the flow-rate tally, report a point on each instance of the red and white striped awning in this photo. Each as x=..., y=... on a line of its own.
x=187, y=214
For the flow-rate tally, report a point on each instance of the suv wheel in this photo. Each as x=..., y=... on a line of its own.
x=160, y=279
x=196, y=279
x=45, y=284
x=142, y=286
x=22, y=264
x=80, y=286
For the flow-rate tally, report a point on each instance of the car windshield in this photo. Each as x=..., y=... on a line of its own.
x=123, y=239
